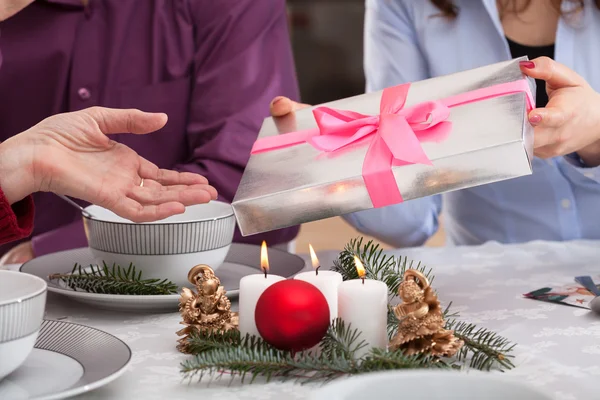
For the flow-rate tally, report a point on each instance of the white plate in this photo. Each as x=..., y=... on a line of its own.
x=430, y=385
x=242, y=260
x=68, y=359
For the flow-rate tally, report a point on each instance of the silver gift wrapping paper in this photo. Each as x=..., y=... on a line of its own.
x=491, y=140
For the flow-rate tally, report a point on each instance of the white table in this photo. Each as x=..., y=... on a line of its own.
x=559, y=346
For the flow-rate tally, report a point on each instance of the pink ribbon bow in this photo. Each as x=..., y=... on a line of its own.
x=395, y=135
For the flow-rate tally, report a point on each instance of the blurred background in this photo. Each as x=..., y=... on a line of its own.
x=327, y=39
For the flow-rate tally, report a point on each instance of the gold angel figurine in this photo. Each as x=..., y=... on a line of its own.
x=208, y=309
x=421, y=322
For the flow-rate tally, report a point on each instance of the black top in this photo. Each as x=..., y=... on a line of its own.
x=519, y=50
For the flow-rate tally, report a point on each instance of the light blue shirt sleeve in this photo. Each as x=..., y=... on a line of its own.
x=389, y=39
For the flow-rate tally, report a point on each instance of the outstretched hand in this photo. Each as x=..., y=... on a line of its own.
x=71, y=154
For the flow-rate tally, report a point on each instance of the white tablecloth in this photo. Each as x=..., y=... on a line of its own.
x=558, y=346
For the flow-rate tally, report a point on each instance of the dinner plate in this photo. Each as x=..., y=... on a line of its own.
x=68, y=359
x=430, y=385
x=242, y=260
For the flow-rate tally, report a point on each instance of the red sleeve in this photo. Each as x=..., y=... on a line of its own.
x=16, y=221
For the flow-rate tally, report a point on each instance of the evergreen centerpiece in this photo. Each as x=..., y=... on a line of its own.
x=429, y=337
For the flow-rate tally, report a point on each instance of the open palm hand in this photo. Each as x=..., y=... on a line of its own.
x=70, y=154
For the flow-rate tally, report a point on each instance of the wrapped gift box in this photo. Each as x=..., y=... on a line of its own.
x=434, y=136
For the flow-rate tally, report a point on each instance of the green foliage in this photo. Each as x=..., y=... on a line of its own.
x=114, y=280
x=253, y=356
x=378, y=265
x=341, y=340
x=484, y=348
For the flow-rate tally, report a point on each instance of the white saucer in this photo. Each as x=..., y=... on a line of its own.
x=242, y=260
x=430, y=385
x=68, y=359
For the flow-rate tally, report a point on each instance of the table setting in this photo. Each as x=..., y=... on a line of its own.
x=557, y=345
x=174, y=309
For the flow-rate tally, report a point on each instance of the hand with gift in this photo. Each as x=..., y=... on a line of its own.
x=570, y=122
x=71, y=154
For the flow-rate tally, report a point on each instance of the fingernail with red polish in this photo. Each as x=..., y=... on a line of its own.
x=527, y=64
x=535, y=119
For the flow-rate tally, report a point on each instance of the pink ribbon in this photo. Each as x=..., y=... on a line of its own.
x=395, y=134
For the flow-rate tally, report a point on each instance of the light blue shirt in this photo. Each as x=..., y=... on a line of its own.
x=404, y=42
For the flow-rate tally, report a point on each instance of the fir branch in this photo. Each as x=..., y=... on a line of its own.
x=267, y=363
x=381, y=360
x=114, y=280
x=378, y=265
x=485, y=348
x=341, y=340
x=199, y=341
x=392, y=323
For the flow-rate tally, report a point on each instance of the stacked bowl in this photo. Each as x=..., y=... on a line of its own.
x=22, y=305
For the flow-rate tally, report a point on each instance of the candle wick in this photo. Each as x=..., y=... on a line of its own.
x=317, y=270
x=265, y=271
x=363, y=279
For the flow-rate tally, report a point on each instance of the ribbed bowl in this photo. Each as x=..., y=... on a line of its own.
x=165, y=249
x=22, y=305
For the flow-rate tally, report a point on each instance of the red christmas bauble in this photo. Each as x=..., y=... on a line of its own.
x=292, y=315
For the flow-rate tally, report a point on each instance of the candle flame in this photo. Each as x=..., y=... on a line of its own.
x=313, y=257
x=264, y=257
x=360, y=268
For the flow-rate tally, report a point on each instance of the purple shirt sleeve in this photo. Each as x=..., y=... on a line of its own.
x=54, y=240
x=242, y=62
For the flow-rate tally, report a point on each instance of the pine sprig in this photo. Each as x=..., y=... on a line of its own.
x=485, y=348
x=380, y=360
x=269, y=364
x=114, y=280
x=341, y=340
x=338, y=357
x=201, y=341
x=378, y=265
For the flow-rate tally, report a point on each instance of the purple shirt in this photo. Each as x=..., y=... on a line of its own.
x=212, y=65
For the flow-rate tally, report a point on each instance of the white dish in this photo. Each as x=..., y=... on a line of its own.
x=242, y=260
x=22, y=305
x=430, y=385
x=167, y=248
x=68, y=359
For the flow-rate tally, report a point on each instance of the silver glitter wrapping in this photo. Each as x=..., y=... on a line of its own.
x=491, y=140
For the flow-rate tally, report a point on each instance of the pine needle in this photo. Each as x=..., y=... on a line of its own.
x=114, y=280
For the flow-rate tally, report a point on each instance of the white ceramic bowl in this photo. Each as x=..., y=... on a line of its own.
x=22, y=305
x=430, y=385
x=166, y=249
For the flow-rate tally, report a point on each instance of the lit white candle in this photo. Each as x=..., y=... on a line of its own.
x=362, y=303
x=251, y=287
x=326, y=281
